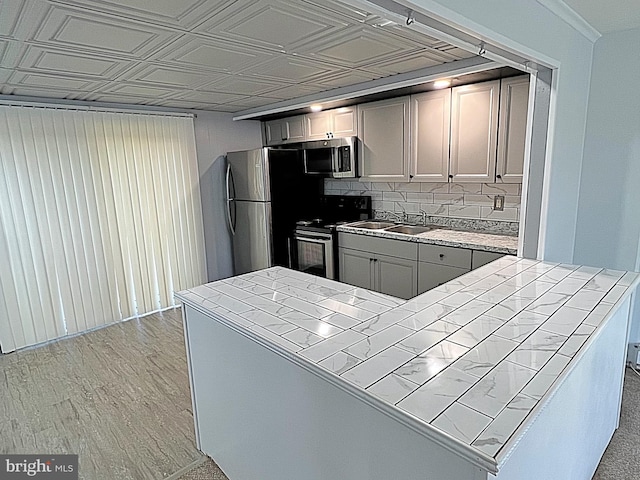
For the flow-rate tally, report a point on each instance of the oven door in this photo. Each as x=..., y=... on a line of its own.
x=314, y=253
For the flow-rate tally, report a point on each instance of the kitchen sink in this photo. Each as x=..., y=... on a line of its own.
x=372, y=225
x=408, y=229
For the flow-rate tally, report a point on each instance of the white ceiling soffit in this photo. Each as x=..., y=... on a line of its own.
x=573, y=17
x=430, y=23
x=608, y=16
x=453, y=69
x=221, y=55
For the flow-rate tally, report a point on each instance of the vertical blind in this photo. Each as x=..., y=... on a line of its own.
x=100, y=221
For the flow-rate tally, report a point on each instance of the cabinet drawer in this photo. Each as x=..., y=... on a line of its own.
x=383, y=246
x=452, y=256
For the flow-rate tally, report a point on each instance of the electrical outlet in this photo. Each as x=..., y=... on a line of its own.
x=498, y=202
x=633, y=351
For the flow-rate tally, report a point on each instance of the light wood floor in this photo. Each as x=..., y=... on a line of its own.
x=119, y=397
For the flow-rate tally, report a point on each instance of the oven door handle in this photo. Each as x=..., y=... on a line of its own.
x=312, y=239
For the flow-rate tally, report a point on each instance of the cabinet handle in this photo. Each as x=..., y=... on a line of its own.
x=375, y=259
x=498, y=177
x=442, y=255
x=410, y=176
x=450, y=176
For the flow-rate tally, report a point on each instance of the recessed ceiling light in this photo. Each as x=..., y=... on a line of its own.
x=316, y=107
x=441, y=83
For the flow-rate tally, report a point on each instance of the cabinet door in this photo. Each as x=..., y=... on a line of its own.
x=356, y=268
x=383, y=129
x=514, y=100
x=319, y=125
x=474, y=132
x=284, y=130
x=431, y=115
x=274, y=132
x=295, y=130
x=431, y=275
x=481, y=258
x=345, y=122
x=396, y=276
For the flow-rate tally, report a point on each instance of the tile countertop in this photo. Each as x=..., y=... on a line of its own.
x=468, y=362
x=489, y=242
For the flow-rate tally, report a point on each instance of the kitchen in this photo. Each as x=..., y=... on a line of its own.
x=217, y=135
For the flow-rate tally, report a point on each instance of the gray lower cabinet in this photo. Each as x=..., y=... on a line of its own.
x=431, y=275
x=481, y=258
x=396, y=276
x=380, y=264
x=438, y=264
x=403, y=269
x=356, y=268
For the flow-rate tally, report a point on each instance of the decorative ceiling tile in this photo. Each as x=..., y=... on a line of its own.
x=405, y=63
x=107, y=34
x=277, y=25
x=143, y=91
x=350, y=77
x=172, y=77
x=252, y=102
x=204, y=53
x=207, y=97
x=40, y=92
x=225, y=55
x=5, y=73
x=290, y=69
x=243, y=85
x=120, y=98
x=55, y=81
x=184, y=13
x=61, y=61
x=357, y=47
x=339, y=10
x=3, y=49
x=10, y=13
x=294, y=91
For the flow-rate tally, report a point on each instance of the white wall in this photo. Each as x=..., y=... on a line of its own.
x=539, y=32
x=608, y=216
x=608, y=231
x=217, y=134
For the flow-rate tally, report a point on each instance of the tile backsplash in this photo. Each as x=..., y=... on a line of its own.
x=446, y=200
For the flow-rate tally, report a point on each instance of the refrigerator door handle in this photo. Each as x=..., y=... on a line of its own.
x=229, y=200
x=290, y=252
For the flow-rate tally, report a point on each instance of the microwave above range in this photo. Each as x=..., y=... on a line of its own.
x=335, y=158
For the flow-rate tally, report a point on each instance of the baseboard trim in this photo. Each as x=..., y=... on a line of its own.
x=188, y=468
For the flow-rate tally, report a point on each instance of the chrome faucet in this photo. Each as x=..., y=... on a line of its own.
x=424, y=217
x=400, y=217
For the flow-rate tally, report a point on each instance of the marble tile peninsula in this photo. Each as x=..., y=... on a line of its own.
x=468, y=364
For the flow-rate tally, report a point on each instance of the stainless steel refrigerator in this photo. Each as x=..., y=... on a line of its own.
x=267, y=192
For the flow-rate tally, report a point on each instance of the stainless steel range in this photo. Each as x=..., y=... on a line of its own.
x=314, y=248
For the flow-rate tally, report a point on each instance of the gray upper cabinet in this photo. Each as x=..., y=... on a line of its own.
x=474, y=132
x=430, y=121
x=514, y=99
x=284, y=130
x=383, y=129
x=340, y=122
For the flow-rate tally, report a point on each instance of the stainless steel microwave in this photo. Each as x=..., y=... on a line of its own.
x=335, y=158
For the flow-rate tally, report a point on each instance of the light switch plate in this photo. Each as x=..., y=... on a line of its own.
x=498, y=203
